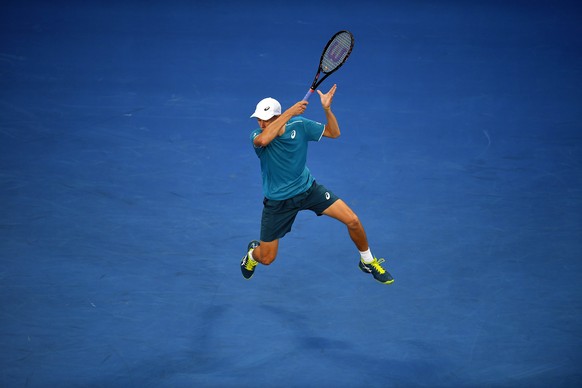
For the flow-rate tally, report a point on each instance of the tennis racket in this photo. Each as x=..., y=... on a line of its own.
x=334, y=55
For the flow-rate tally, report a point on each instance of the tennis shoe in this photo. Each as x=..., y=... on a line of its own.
x=248, y=264
x=375, y=268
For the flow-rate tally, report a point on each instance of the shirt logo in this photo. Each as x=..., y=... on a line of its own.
x=327, y=196
x=293, y=134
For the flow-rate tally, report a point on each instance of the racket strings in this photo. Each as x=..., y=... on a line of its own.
x=336, y=52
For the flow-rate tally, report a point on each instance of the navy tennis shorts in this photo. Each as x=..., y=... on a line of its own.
x=278, y=216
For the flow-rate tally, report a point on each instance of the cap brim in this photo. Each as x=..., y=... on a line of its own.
x=262, y=115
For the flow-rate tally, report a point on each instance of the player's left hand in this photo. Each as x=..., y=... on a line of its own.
x=327, y=98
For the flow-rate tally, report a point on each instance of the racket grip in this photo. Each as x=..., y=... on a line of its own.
x=309, y=93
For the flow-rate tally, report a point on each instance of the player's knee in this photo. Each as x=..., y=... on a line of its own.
x=268, y=258
x=266, y=255
x=353, y=222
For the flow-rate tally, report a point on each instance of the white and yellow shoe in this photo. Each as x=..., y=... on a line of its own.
x=248, y=264
x=375, y=268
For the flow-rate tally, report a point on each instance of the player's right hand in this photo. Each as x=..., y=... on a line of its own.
x=299, y=108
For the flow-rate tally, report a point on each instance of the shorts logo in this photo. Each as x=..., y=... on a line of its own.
x=327, y=196
x=293, y=133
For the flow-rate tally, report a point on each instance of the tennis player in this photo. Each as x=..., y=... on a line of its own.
x=288, y=186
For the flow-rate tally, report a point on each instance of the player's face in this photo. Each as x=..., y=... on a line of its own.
x=265, y=123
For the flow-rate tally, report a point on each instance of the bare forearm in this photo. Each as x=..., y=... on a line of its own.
x=331, y=127
x=276, y=128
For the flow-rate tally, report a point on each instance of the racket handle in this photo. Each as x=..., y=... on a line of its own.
x=309, y=93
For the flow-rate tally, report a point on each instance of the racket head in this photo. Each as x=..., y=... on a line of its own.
x=336, y=52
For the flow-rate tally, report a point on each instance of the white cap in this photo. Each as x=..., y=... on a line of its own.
x=267, y=108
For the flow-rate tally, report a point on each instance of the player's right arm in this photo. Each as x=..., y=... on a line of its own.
x=276, y=125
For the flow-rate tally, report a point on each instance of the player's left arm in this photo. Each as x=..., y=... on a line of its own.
x=332, y=129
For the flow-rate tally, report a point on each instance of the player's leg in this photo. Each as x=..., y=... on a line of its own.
x=342, y=212
x=258, y=252
x=276, y=221
x=368, y=263
x=266, y=252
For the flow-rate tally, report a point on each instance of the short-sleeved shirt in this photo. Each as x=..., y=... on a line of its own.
x=283, y=161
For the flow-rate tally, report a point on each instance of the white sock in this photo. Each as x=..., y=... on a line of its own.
x=251, y=254
x=367, y=256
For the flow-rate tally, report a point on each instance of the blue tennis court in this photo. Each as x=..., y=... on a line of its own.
x=129, y=191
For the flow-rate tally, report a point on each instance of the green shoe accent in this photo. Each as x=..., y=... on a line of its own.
x=248, y=264
x=375, y=268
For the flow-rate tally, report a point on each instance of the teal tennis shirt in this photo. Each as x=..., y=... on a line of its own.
x=283, y=168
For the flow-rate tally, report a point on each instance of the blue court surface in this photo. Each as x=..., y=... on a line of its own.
x=129, y=191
